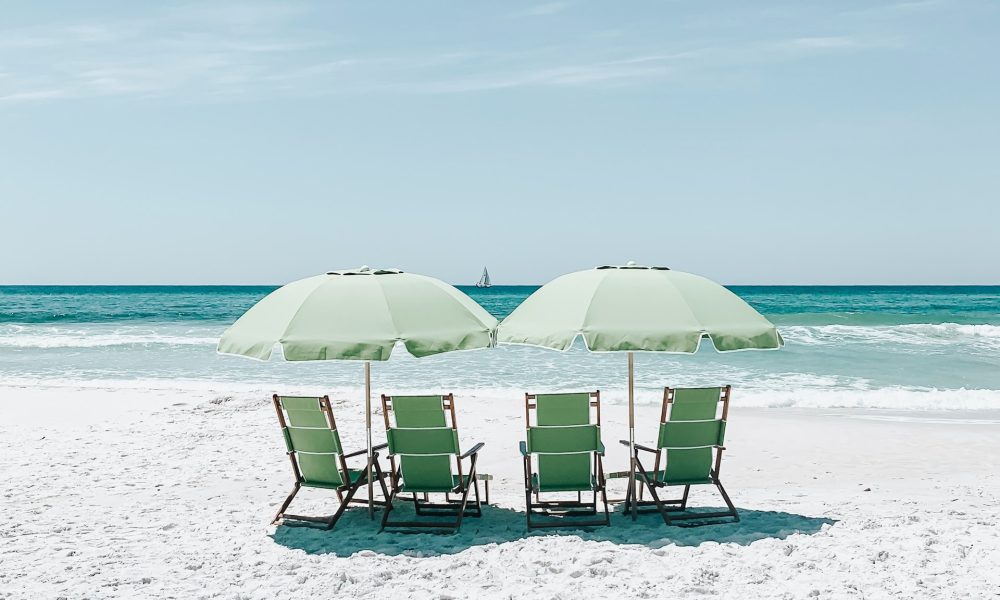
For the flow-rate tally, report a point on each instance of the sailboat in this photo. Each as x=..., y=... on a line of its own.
x=484, y=281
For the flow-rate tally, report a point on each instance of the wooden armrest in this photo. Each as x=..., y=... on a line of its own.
x=375, y=450
x=639, y=447
x=472, y=451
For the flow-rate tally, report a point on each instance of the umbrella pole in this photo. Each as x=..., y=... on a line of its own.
x=368, y=424
x=631, y=433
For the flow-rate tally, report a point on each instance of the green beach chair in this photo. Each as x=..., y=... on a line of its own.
x=318, y=460
x=565, y=442
x=426, y=459
x=691, y=431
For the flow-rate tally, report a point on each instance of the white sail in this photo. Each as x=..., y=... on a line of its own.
x=484, y=281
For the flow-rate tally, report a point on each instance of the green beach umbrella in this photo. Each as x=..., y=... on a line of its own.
x=634, y=308
x=360, y=314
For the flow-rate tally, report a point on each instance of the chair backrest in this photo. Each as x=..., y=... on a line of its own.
x=690, y=428
x=421, y=439
x=311, y=439
x=564, y=437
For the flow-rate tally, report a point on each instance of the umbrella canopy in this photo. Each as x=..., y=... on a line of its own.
x=635, y=308
x=360, y=314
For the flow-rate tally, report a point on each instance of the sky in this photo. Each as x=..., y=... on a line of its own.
x=766, y=142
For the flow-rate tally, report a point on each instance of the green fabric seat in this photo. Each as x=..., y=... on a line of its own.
x=690, y=433
x=317, y=457
x=455, y=482
x=425, y=455
x=423, y=443
x=688, y=452
x=355, y=476
x=661, y=476
x=574, y=487
x=562, y=453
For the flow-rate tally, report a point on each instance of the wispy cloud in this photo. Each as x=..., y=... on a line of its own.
x=273, y=49
x=821, y=43
x=632, y=69
x=895, y=7
x=835, y=43
x=541, y=10
x=186, y=49
x=605, y=73
x=15, y=97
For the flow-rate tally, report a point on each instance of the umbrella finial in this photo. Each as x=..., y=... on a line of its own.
x=364, y=269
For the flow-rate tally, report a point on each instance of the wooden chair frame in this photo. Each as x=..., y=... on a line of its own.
x=456, y=508
x=564, y=508
x=348, y=487
x=672, y=510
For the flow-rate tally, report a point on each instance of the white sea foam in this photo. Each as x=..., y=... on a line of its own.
x=47, y=336
x=85, y=336
x=850, y=397
x=946, y=366
x=910, y=334
x=892, y=398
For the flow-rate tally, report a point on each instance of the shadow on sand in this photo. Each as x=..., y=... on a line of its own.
x=356, y=533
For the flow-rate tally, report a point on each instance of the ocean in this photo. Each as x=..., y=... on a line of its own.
x=901, y=348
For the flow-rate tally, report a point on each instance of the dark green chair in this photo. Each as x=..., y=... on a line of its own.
x=318, y=460
x=691, y=432
x=426, y=459
x=565, y=443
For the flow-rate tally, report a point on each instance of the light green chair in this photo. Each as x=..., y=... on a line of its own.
x=426, y=459
x=565, y=443
x=689, y=450
x=318, y=460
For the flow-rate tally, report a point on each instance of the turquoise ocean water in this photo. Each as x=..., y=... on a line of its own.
x=882, y=347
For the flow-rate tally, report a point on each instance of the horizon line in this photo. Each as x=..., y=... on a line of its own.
x=498, y=285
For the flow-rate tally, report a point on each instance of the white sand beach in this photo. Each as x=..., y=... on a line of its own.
x=117, y=494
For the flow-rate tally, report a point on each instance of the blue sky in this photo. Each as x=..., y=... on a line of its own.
x=258, y=142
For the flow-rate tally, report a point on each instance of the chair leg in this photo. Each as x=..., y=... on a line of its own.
x=656, y=497
x=527, y=493
x=284, y=505
x=479, y=506
x=461, y=510
x=630, y=506
x=388, y=508
x=345, y=502
x=628, y=500
x=381, y=479
x=729, y=503
x=633, y=494
x=527, y=506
